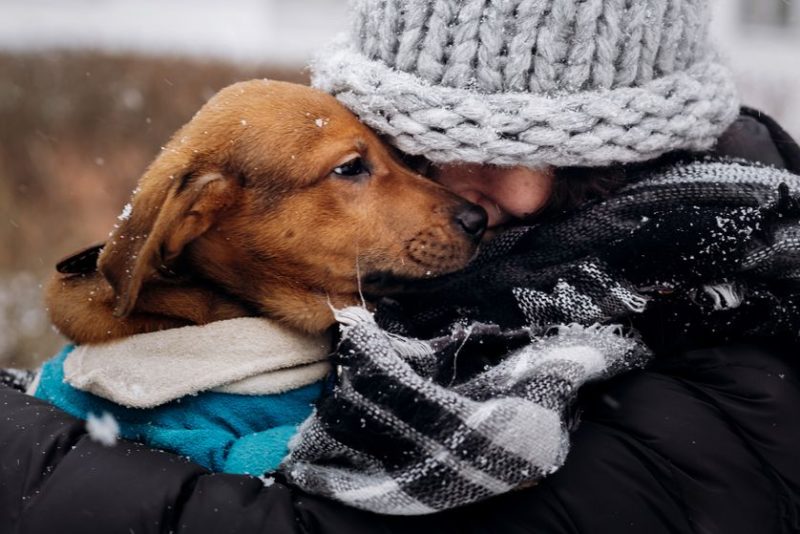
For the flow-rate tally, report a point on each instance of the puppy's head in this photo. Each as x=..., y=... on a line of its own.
x=279, y=195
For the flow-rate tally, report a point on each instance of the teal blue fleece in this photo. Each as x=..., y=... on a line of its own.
x=221, y=431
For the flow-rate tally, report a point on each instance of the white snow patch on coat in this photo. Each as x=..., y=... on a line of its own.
x=103, y=429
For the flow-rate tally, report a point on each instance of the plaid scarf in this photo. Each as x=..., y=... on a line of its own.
x=464, y=389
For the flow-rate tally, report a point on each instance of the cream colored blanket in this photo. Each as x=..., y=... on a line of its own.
x=250, y=356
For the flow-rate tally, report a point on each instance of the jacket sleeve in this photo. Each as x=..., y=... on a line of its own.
x=54, y=478
x=703, y=442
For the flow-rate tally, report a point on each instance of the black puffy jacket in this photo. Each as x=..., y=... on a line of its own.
x=707, y=440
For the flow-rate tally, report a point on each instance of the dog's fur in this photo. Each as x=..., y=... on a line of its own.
x=243, y=214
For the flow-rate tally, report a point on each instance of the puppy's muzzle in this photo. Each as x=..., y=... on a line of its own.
x=471, y=220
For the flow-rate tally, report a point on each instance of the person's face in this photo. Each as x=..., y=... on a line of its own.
x=505, y=193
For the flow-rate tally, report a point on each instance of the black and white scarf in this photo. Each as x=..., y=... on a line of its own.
x=464, y=390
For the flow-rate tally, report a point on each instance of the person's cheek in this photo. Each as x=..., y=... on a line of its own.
x=523, y=194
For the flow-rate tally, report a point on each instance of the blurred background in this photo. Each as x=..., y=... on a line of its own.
x=90, y=89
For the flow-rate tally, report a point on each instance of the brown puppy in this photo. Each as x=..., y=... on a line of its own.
x=274, y=200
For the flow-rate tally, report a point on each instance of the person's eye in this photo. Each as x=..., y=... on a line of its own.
x=353, y=168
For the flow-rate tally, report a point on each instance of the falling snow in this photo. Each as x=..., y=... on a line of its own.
x=126, y=212
x=103, y=429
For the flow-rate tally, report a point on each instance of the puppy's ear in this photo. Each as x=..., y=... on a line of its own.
x=166, y=213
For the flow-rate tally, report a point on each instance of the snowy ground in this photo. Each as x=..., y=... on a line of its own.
x=263, y=31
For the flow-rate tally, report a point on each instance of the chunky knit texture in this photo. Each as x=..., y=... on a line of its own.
x=473, y=411
x=533, y=82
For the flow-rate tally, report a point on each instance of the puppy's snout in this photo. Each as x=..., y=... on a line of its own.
x=472, y=219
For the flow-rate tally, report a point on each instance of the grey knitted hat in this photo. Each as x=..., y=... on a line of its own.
x=533, y=82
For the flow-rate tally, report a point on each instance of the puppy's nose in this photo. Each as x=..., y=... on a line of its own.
x=472, y=219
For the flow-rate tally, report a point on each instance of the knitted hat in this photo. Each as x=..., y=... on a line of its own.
x=533, y=82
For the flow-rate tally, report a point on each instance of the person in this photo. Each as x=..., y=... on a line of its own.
x=531, y=109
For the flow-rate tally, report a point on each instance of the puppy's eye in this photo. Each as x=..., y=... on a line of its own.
x=352, y=169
